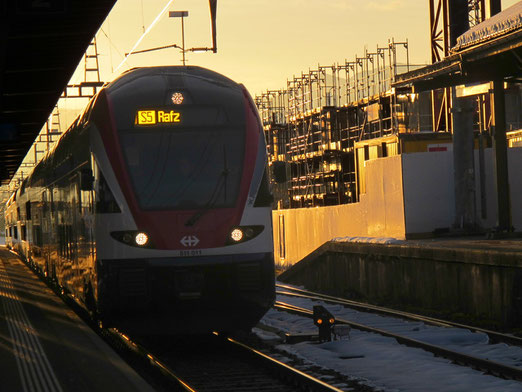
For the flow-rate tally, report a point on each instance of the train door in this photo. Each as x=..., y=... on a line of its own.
x=83, y=227
x=72, y=236
x=34, y=215
x=65, y=243
x=53, y=230
x=46, y=232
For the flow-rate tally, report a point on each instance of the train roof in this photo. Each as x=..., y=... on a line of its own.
x=174, y=70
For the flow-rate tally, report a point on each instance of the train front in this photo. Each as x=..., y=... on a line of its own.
x=183, y=229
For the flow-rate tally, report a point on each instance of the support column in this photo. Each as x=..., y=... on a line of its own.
x=494, y=7
x=464, y=163
x=498, y=128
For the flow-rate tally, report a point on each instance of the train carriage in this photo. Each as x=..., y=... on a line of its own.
x=154, y=209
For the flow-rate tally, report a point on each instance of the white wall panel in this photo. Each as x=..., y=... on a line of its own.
x=429, y=197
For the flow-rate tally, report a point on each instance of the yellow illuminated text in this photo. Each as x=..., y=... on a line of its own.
x=168, y=117
x=146, y=117
x=153, y=117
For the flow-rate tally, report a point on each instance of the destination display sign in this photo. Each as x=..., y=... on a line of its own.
x=156, y=117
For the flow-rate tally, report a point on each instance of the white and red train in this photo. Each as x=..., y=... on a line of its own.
x=153, y=210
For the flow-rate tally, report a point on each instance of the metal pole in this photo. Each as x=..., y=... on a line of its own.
x=183, y=38
x=407, y=55
x=501, y=159
x=48, y=136
x=182, y=15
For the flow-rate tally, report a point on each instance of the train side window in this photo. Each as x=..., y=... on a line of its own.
x=45, y=206
x=37, y=235
x=61, y=240
x=28, y=210
x=264, y=198
x=105, y=201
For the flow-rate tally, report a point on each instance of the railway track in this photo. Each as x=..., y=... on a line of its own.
x=494, y=336
x=216, y=364
x=219, y=364
x=483, y=364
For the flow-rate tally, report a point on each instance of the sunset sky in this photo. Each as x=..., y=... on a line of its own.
x=261, y=43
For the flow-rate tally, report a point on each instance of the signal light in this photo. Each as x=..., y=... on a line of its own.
x=325, y=328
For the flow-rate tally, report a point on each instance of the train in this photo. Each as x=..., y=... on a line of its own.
x=153, y=211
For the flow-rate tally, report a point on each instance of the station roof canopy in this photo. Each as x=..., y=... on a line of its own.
x=41, y=43
x=489, y=51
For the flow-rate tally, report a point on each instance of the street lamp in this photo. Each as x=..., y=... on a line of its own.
x=182, y=15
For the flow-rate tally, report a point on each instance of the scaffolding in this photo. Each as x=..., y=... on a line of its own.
x=312, y=124
x=91, y=76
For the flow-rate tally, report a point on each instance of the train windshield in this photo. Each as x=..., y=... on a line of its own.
x=189, y=168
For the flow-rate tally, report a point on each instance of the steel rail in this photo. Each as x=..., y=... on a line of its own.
x=493, y=335
x=114, y=335
x=309, y=382
x=485, y=365
x=114, y=338
x=110, y=335
x=283, y=370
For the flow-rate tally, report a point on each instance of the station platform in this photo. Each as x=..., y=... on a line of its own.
x=462, y=278
x=477, y=249
x=45, y=346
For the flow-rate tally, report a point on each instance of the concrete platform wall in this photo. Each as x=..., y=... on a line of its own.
x=407, y=196
x=380, y=213
x=480, y=284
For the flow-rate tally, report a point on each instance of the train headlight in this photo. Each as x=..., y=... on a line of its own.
x=241, y=234
x=141, y=239
x=135, y=238
x=237, y=235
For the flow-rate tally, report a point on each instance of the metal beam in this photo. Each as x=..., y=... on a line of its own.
x=498, y=126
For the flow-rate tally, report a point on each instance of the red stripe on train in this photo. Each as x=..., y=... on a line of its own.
x=166, y=228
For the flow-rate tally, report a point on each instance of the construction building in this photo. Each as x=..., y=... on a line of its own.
x=313, y=124
x=391, y=149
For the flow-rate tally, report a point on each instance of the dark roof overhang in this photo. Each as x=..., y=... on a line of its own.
x=41, y=43
x=498, y=58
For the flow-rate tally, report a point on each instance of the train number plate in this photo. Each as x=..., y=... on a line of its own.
x=190, y=252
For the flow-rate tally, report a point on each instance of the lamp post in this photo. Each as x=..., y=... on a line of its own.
x=182, y=15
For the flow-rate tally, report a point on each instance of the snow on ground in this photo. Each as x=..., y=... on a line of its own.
x=386, y=365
